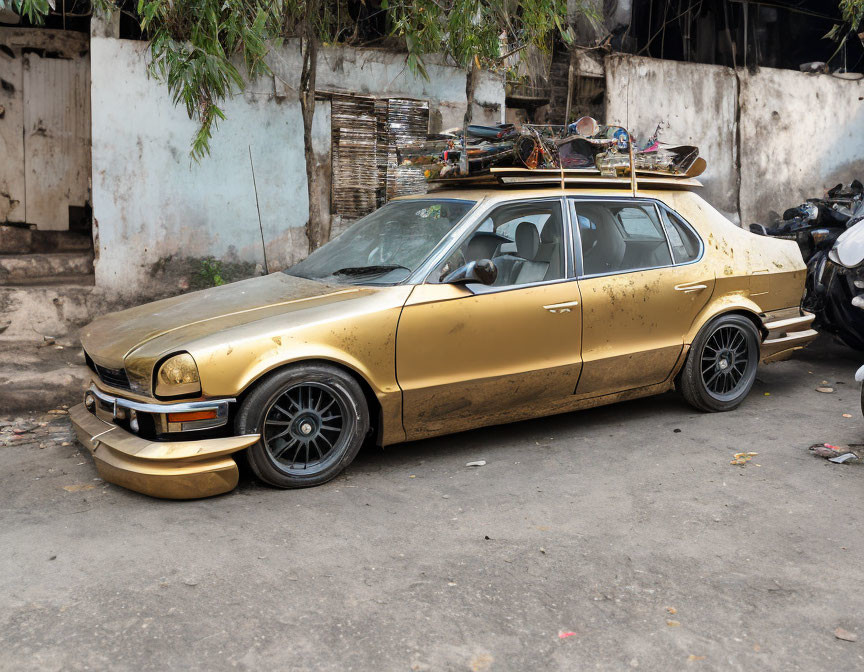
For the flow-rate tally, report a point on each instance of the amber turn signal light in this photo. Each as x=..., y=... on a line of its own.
x=191, y=416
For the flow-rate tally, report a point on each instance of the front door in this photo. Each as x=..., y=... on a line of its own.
x=479, y=355
x=637, y=301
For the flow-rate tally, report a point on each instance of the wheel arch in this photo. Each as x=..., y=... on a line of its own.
x=731, y=306
x=376, y=411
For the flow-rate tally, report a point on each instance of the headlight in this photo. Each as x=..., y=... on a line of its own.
x=177, y=376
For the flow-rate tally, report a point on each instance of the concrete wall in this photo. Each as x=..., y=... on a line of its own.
x=696, y=104
x=799, y=134
x=154, y=208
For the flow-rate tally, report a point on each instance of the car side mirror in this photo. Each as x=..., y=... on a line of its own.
x=483, y=271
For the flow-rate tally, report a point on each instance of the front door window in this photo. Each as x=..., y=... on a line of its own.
x=524, y=240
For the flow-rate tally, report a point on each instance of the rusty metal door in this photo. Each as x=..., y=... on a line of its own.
x=11, y=138
x=56, y=138
x=44, y=126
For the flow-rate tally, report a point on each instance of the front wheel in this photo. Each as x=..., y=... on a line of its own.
x=312, y=420
x=721, y=365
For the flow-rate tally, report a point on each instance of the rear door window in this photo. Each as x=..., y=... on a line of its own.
x=618, y=237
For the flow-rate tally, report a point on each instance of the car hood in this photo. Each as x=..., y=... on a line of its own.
x=110, y=339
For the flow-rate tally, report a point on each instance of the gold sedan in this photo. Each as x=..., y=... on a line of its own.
x=436, y=314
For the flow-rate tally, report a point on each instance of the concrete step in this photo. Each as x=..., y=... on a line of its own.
x=15, y=240
x=31, y=313
x=23, y=240
x=29, y=269
x=40, y=377
x=61, y=241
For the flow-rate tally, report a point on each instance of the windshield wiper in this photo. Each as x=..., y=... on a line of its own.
x=368, y=270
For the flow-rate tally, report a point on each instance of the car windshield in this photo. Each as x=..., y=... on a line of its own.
x=386, y=246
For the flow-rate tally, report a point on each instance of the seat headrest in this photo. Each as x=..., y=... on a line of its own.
x=527, y=240
x=483, y=245
x=551, y=233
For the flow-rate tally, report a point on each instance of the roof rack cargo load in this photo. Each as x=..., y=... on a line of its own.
x=582, y=153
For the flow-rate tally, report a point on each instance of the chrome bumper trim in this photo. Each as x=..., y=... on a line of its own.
x=220, y=405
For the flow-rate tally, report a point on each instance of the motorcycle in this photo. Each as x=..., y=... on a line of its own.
x=830, y=234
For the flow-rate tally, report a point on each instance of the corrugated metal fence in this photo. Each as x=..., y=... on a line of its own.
x=365, y=134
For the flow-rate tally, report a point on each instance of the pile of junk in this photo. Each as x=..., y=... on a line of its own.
x=585, y=146
x=830, y=233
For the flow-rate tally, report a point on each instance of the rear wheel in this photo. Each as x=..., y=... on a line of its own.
x=312, y=420
x=721, y=366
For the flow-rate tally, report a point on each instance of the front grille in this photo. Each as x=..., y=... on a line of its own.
x=113, y=377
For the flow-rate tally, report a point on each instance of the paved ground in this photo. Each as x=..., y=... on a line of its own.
x=641, y=540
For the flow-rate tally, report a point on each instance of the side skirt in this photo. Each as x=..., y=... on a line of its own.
x=546, y=409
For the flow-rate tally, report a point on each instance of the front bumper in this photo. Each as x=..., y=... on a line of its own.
x=167, y=469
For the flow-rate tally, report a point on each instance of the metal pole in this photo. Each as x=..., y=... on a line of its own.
x=632, y=165
x=571, y=75
x=258, y=207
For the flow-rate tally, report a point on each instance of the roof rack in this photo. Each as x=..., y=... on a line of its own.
x=569, y=177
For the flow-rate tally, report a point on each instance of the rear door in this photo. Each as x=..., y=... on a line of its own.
x=641, y=291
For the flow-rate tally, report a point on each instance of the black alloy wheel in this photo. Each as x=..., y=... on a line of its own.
x=305, y=426
x=726, y=358
x=721, y=366
x=312, y=419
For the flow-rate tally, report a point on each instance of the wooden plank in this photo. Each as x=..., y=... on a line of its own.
x=354, y=156
x=56, y=138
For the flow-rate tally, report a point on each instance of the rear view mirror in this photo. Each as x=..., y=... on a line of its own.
x=482, y=271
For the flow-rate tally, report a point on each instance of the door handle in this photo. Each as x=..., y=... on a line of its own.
x=561, y=307
x=690, y=287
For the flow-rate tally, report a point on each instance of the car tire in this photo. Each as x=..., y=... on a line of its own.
x=721, y=366
x=862, y=399
x=312, y=418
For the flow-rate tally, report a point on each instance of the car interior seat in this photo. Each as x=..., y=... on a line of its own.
x=533, y=259
x=607, y=253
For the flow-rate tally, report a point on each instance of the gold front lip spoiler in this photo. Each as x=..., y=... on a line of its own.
x=166, y=469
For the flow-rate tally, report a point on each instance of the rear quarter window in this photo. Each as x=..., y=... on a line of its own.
x=683, y=240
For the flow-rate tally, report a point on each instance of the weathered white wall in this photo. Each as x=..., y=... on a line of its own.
x=383, y=74
x=151, y=203
x=696, y=104
x=800, y=134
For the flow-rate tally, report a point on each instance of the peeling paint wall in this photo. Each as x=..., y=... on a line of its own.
x=798, y=134
x=695, y=102
x=151, y=202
